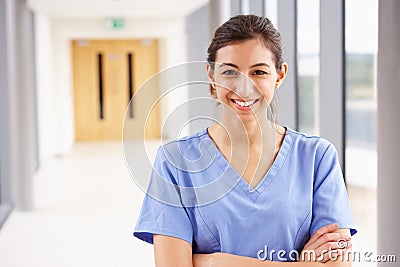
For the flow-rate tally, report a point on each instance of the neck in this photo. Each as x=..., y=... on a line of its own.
x=253, y=132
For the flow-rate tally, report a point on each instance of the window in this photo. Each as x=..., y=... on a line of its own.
x=308, y=65
x=361, y=114
x=271, y=11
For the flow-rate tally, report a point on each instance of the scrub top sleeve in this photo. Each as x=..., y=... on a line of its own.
x=330, y=200
x=162, y=212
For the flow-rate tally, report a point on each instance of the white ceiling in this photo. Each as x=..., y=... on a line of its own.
x=115, y=8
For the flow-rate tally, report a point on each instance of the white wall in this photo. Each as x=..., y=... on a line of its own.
x=45, y=93
x=54, y=67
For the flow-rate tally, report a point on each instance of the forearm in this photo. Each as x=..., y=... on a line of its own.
x=172, y=252
x=251, y=262
x=229, y=260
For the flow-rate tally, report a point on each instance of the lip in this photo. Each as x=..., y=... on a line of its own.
x=243, y=108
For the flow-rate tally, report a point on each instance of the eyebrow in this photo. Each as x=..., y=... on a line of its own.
x=228, y=64
x=260, y=65
x=237, y=67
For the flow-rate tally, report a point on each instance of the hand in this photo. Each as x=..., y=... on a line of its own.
x=327, y=243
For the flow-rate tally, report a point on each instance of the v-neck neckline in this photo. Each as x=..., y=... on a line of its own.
x=267, y=178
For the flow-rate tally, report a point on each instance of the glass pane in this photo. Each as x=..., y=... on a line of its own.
x=1, y=181
x=361, y=114
x=308, y=65
x=271, y=11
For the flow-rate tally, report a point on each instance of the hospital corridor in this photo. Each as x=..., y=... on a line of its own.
x=89, y=91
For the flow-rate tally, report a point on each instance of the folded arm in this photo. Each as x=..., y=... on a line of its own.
x=174, y=252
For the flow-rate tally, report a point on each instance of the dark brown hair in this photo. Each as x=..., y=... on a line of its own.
x=242, y=28
x=245, y=27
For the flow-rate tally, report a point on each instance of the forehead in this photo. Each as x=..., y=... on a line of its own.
x=243, y=53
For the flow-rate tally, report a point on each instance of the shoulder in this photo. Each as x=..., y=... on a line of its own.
x=309, y=146
x=313, y=153
x=187, y=148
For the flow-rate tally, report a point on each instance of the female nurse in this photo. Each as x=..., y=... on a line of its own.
x=277, y=196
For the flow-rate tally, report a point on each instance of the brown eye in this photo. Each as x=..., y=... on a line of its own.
x=260, y=72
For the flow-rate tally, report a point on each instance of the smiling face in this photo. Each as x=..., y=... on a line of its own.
x=245, y=78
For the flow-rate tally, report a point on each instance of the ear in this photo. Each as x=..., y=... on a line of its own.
x=210, y=72
x=281, y=75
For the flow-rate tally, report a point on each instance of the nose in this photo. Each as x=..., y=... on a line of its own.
x=244, y=87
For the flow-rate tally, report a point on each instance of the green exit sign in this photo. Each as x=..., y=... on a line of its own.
x=116, y=23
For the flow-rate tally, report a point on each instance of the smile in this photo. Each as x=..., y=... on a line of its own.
x=244, y=104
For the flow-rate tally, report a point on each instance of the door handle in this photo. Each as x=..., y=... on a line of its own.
x=130, y=85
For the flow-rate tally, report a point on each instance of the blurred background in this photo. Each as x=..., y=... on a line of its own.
x=68, y=70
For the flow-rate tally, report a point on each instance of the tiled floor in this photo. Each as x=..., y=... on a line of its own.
x=86, y=208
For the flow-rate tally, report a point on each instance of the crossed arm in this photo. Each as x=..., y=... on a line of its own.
x=174, y=252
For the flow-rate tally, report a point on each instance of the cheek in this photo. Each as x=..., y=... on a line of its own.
x=267, y=89
x=221, y=91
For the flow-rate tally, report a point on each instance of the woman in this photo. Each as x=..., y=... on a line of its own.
x=280, y=194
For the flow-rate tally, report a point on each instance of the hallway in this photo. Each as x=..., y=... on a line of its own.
x=86, y=206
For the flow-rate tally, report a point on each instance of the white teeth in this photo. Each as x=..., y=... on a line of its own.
x=244, y=104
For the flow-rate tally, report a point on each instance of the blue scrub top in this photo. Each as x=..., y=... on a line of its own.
x=196, y=195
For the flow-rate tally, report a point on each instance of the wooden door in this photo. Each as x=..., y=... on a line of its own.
x=106, y=74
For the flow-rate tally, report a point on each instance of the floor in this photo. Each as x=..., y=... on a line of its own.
x=86, y=205
x=363, y=203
